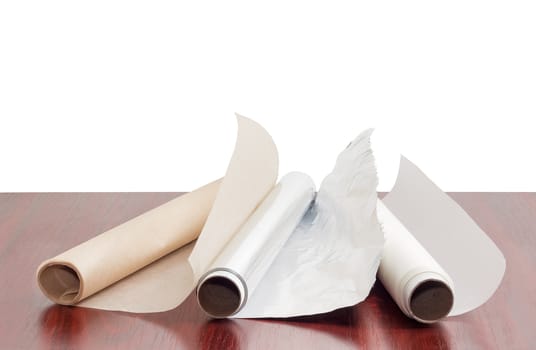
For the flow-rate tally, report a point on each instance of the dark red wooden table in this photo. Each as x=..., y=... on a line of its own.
x=37, y=226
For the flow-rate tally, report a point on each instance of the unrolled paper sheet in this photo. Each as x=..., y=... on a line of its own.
x=251, y=175
x=433, y=246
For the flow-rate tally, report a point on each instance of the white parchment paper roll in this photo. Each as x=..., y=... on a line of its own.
x=417, y=283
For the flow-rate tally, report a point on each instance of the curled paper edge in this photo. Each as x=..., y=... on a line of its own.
x=251, y=174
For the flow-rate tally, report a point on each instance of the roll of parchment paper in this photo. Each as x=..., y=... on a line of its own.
x=436, y=261
x=419, y=286
x=109, y=257
x=237, y=271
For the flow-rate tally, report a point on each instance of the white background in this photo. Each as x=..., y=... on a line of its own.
x=124, y=96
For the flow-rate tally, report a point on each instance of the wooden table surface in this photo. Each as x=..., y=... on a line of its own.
x=37, y=226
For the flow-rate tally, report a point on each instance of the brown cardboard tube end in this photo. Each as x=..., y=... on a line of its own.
x=219, y=297
x=431, y=301
x=60, y=283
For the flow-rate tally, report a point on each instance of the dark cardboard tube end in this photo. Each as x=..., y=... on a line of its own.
x=219, y=297
x=60, y=283
x=431, y=301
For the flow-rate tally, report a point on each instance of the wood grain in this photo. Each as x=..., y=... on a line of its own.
x=37, y=226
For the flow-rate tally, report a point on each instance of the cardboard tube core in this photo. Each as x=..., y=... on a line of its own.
x=60, y=283
x=431, y=300
x=219, y=296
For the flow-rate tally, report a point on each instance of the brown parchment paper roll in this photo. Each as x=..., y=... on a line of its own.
x=115, y=254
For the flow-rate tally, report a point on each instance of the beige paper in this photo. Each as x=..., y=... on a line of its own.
x=113, y=255
x=160, y=286
x=251, y=175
